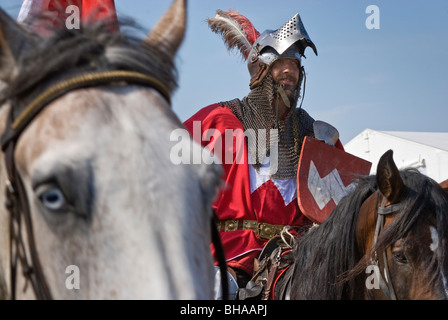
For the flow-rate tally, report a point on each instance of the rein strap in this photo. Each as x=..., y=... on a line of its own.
x=385, y=284
x=78, y=82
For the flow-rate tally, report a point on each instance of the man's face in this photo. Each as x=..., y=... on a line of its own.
x=285, y=71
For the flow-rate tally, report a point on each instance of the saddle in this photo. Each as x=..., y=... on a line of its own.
x=273, y=262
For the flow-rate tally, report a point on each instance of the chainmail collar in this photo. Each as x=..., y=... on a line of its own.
x=258, y=118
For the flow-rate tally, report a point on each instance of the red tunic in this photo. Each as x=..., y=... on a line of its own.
x=246, y=195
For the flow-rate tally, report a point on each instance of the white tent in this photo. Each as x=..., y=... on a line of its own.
x=426, y=151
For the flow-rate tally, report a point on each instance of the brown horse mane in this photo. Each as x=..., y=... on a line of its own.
x=327, y=260
x=90, y=48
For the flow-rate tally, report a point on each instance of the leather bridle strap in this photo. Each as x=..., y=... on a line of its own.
x=385, y=284
x=18, y=206
x=81, y=81
x=17, y=202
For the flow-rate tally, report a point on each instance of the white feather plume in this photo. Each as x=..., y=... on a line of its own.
x=235, y=29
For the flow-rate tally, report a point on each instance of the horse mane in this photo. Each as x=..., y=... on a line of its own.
x=90, y=48
x=319, y=261
x=327, y=260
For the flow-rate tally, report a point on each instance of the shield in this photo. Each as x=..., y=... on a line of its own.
x=324, y=176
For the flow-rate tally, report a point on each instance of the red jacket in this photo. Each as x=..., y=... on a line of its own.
x=263, y=203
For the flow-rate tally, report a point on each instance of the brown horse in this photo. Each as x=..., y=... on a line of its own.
x=387, y=239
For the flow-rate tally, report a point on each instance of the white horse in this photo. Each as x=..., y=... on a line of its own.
x=111, y=216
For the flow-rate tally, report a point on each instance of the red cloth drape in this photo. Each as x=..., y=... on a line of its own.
x=91, y=11
x=95, y=10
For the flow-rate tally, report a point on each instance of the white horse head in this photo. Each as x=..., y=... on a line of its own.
x=112, y=216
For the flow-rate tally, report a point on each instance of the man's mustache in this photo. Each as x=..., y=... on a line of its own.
x=295, y=80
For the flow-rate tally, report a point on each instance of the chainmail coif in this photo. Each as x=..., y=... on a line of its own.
x=255, y=112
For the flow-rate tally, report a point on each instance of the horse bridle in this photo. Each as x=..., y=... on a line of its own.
x=385, y=283
x=16, y=198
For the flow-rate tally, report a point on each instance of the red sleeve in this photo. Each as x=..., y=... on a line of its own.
x=234, y=200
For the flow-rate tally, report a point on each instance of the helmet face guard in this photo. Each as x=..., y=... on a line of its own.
x=269, y=55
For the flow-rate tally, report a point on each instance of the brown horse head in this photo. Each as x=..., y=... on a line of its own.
x=386, y=239
x=409, y=244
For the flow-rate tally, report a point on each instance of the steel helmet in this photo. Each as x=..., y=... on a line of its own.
x=261, y=50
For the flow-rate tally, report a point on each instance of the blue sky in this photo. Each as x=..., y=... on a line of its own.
x=394, y=78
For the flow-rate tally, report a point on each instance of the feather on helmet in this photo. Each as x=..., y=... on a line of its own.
x=236, y=30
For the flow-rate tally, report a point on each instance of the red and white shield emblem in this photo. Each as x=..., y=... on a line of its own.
x=324, y=177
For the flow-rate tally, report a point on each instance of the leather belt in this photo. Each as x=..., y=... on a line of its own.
x=262, y=230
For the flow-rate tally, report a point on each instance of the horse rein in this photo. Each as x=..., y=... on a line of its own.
x=16, y=198
x=385, y=283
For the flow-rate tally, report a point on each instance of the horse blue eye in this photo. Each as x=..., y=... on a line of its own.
x=53, y=199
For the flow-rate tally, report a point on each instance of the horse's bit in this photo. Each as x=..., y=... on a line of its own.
x=385, y=284
x=16, y=198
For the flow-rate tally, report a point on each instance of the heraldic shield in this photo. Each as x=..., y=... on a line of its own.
x=324, y=176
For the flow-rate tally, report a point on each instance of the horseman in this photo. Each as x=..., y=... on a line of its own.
x=260, y=194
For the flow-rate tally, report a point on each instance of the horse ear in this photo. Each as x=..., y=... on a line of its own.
x=169, y=31
x=388, y=178
x=13, y=41
x=444, y=185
